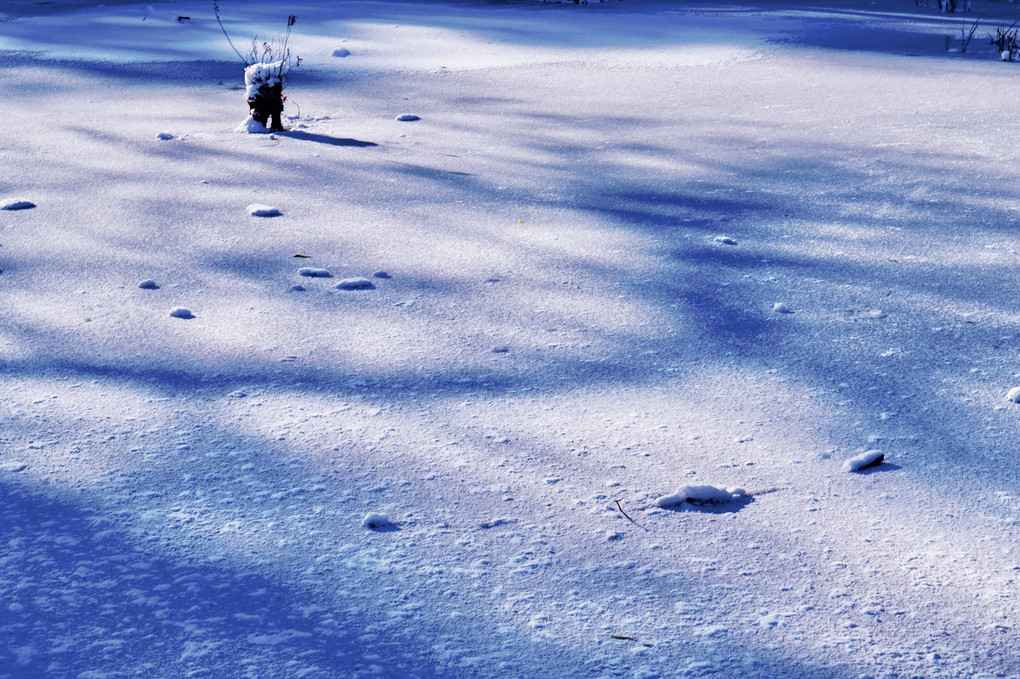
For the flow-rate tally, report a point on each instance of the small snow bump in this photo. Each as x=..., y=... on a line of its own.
x=724, y=240
x=866, y=459
x=164, y=136
x=296, y=288
x=341, y=52
x=19, y=205
x=181, y=312
x=1013, y=395
x=311, y=272
x=355, y=284
x=375, y=521
x=408, y=118
x=148, y=284
x=381, y=274
x=699, y=495
x=781, y=308
x=259, y=210
x=252, y=126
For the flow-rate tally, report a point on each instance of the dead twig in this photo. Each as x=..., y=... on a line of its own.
x=620, y=507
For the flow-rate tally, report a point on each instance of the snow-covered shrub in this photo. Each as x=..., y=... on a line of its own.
x=1005, y=42
x=266, y=67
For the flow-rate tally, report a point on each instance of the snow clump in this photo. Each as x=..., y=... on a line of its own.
x=261, y=76
x=724, y=240
x=258, y=210
x=373, y=520
x=355, y=284
x=181, y=312
x=148, y=284
x=1013, y=395
x=408, y=118
x=699, y=495
x=252, y=126
x=866, y=459
x=341, y=52
x=312, y=272
x=781, y=308
x=164, y=136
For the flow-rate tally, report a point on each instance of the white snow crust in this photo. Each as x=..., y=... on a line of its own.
x=588, y=236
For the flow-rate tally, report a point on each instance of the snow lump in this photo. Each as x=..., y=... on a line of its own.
x=258, y=210
x=355, y=284
x=181, y=312
x=1013, y=395
x=866, y=459
x=700, y=495
x=374, y=521
x=19, y=205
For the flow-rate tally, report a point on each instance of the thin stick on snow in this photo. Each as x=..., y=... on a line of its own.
x=216, y=10
x=620, y=507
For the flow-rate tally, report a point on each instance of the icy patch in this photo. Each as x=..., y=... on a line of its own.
x=258, y=210
x=355, y=284
x=373, y=520
x=699, y=495
x=148, y=284
x=181, y=312
x=19, y=205
x=781, y=308
x=1013, y=395
x=252, y=126
x=864, y=460
x=342, y=52
x=408, y=118
x=724, y=240
x=312, y=272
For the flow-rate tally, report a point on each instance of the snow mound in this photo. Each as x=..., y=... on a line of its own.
x=164, y=136
x=700, y=495
x=373, y=520
x=312, y=272
x=19, y=205
x=257, y=210
x=355, y=284
x=408, y=118
x=148, y=284
x=181, y=312
x=1013, y=395
x=724, y=240
x=781, y=308
x=341, y=52
x=252, y=126
x=296, y=288
x=864, y=460
x=381, y=274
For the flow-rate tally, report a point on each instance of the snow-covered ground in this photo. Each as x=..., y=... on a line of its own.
x=626, y=248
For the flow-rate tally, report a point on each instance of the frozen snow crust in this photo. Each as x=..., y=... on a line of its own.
x=585, y=238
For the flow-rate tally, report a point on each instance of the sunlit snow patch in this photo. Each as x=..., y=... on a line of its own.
x=700, y=495
x=864, y=460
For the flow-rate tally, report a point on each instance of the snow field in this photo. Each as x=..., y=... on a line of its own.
x=564, y=340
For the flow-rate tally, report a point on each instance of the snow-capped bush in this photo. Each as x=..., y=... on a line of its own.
x=700, y=495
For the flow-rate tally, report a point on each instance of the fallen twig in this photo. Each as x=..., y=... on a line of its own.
x=620, y=507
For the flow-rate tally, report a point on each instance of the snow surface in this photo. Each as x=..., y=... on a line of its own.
x=564, y=342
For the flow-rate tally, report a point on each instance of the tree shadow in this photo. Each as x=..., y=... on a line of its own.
x=325, y=139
